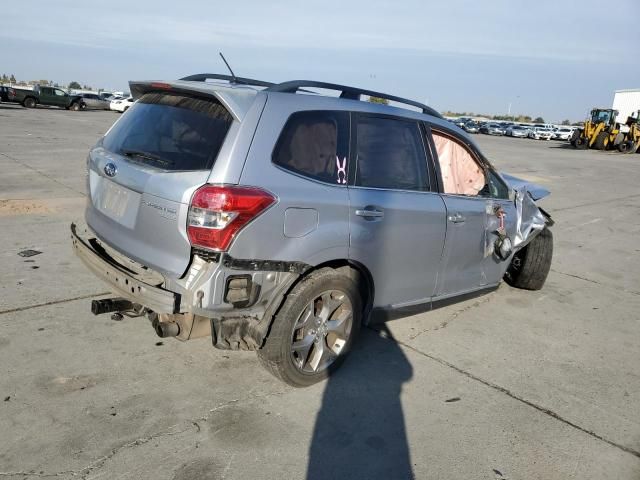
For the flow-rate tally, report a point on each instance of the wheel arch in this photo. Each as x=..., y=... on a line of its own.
x=355, y=270
x=361, y=275
x=30, y=97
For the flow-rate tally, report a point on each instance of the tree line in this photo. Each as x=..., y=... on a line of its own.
x=47, y=83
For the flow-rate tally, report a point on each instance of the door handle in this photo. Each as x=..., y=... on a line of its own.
x=456, y=218
x=369, y=212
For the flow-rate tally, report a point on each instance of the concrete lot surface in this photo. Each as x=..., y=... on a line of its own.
x=511, y=385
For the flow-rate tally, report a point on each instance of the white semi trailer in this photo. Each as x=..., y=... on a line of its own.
x=627, y=102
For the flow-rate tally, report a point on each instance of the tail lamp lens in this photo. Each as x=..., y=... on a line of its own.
x=218, y=213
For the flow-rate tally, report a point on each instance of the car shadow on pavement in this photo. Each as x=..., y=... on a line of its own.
x=360, y=429
x=564, y=146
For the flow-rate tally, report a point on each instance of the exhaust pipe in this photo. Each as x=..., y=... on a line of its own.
x=108, y=305
x=165, y=329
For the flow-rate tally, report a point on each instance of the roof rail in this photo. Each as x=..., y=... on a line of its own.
x=203, y=77
x=350, y=93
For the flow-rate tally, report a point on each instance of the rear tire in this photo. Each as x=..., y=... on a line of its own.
x=530, y=266
x=295, y=366
x=29, y=102
x=581, y=143
x=625, y=147
x=575, y=135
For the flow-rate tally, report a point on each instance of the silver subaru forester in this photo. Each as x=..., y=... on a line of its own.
x=274, y=218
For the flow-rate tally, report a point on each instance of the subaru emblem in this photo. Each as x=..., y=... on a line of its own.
x=110, y=170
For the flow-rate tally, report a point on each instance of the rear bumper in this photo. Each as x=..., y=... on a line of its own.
x=120, y=279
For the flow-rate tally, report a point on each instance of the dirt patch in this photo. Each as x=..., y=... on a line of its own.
x=24, y=207
x=34, y=206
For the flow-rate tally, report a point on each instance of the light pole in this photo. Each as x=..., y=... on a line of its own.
x=509, y=109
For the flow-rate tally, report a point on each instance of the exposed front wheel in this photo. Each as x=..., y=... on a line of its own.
x=314, y=329
x=530, y=265
x=75, y=106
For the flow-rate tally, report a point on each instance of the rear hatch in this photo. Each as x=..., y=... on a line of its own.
x=143, y=173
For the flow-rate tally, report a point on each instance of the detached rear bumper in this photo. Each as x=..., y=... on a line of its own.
x=121, y=279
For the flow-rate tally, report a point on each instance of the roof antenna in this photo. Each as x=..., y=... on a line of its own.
x=235, y=80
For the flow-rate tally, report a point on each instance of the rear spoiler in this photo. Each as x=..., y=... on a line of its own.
x=237, y=102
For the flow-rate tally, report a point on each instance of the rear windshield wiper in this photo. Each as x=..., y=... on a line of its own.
x=147, y=156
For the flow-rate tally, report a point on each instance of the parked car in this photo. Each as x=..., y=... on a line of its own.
x=471, y=127
x=45, y=96
x=121, y=105
x=274, y=221
x=93, y=101
x=460, y=122
x=562, y=133
x=541, y=133
x=4, y=94
x=517, y=131
x=492, y=129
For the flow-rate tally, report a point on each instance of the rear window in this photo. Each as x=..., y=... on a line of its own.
x=171, y=132
x=315, y=144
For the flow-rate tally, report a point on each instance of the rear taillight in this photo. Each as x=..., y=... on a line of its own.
x=218, y=213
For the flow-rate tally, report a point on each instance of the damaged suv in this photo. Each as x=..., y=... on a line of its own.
x=275, y=219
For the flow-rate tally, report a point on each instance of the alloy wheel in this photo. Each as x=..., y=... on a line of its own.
x=321, y=331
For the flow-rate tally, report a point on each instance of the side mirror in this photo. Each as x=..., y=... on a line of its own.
x=512, y=194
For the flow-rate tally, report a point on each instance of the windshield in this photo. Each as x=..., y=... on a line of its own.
x=171, y=132
x=601, y=116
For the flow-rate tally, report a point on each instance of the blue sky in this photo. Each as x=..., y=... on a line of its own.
x=551, y=58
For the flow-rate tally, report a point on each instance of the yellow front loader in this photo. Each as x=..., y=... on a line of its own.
x=631, y=141
x=600, y=131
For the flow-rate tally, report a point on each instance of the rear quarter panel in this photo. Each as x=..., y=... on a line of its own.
x=310, y=221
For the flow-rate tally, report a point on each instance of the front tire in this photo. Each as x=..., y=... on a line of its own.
x=602, y=141
x=314, y=329
x=530, y=265
x=75, y=106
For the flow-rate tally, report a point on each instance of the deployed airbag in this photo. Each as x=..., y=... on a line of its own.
x=461, y=174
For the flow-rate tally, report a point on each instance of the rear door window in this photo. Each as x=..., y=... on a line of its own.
x=315, y=144
x=171, y=132
x=390, y=154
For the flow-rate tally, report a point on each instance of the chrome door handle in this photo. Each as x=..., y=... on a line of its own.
x=456, y=218
x=370, y=213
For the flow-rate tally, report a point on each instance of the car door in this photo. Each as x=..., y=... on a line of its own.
x=46, y=96
x=478, y=207
x=397, y=219
x=60, y=98
x=91, y=101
